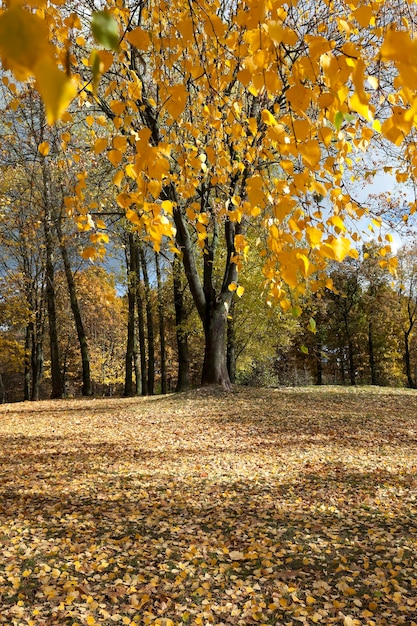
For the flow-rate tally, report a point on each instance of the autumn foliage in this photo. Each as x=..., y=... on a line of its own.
x=218, y=118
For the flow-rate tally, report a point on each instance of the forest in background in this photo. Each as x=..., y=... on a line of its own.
x=176, y=213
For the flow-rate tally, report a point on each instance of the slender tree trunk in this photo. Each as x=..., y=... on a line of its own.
x=141, y=327
x=371, y=354
x=149, y=323
x=161, y=321
x=352, y=374
x=319, y=361
x=131, y=299
x=37, y=366
x=407, y=360
x=56, y=376
x=183, y=379
x=86, y=389
x=136, y=365
x=231, y=344
x=28, y=356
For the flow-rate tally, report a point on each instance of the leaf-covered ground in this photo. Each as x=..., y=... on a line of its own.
x=254, y=507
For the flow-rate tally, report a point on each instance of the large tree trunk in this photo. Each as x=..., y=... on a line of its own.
x=212, y=304
x=86, y=389
x=231, y=345
x=215, y=366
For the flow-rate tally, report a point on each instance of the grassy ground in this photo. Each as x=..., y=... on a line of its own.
x=253, y=507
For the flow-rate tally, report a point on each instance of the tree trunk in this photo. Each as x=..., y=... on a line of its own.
x=319, y=361
x=131, y=299
x=27, y=370
x=407, y=360
x=183, y=378
x=371, y=354
x=352, y=374
x=149, y=323
x=215, y=366
x=161, y=321
x=56, y=377
x=86, y=389
x=231, y=345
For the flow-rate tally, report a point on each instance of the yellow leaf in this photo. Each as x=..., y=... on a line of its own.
x=118, y=177
x=132, y=216
x=232, y=286
x=115, y=157
x=167, y=206
x=314, y=235
x=337, y=222
x=398, y=46
x=363, y=15
x=360, y=106
x=100, y=224
x=120, y=142
x=240, y=291
x=275, y=31
x=105, y=60
x=290, y=276
x=310, y=152
x=338, y=249
x=44, y=148
x=56, y=88
x=90, y=620
x=268, y=118
x=99, y=145
x=139, y=38
x=177, y=99
x=89, y=253
x=24, y=40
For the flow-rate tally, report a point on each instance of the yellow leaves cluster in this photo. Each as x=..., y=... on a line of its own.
x=25, y=48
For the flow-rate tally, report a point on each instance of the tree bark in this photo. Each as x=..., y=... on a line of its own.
x=231, y=345
x=86, y=388
x=319, y=362
x=149, y=322
x=161, y=321
x=131, y=299
x=56, y=376
x=215, y=366
x=371, y=354
x=141, y=334
x=407, y=359
x=183, y=377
